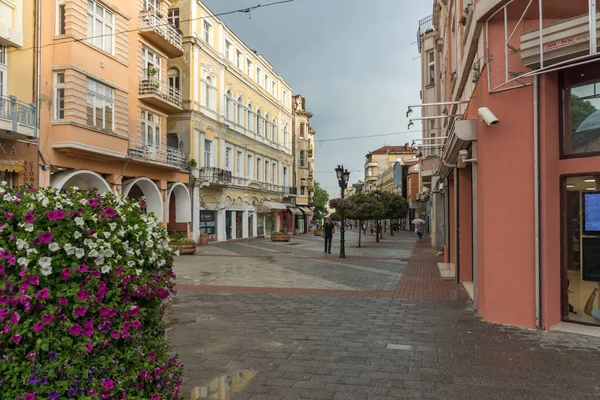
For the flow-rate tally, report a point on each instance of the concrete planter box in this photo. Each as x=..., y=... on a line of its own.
x=280, y=237
x=318, y=232
x=184, y=247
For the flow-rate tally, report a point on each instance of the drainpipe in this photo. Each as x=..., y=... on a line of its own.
x=475, y=227
x=455, y=239
x=537, y=205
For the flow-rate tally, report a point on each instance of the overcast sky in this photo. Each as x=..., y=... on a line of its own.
x=351, y=59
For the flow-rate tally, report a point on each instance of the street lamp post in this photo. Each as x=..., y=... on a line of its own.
x=343, y=176
x=378, y=197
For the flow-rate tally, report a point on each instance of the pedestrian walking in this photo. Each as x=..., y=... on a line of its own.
x=372, y=229
x=328, y=229
x=364, y=228
x=419, y=232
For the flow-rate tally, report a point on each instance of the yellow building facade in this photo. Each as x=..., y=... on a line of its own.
x=304, y=162
x=380, y=160
x=18, y=113
x=106, y=94
x=236, y=128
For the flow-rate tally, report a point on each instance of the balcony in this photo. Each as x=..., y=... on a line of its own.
x=215, y=176
x=310, y=152
x=159, y=94
x=288, y=190
x=17, y=119
x=161, y=33
x=141, y=150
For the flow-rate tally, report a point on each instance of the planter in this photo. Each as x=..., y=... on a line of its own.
x=319, y=232
x=280, y=237
x=184, y=247
x=204, y=239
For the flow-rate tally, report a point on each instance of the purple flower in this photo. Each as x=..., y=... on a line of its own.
x=16, y=338
x=31, y=356
x=29, y=396
x=53, y=396
x=79, y=311
x=8, y=215
x=52, y=355
x=87, y=331
x=62, y=300
x=47, y=319
x=15, y=317
x=60, y=214
x=71, y=214
x=82, y=295
x=33, y=380
x=29, y=217
x=65, y=273
x=38, y=326
x=3, y=313
x=114, y=334
x=75, y=329
x=45, y=237
x=93, y=202
x=109, y=212
x=52, y=215
x=42, y=294
x=83, y=268
x=108, y=384
x=6, y=254
x=34, y=280
x=89, y=347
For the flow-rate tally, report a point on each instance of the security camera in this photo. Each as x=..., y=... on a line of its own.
x=487, y=116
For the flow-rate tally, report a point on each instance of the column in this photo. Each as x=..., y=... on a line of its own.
x=196, y=214
x=233, y=225
x=221, y=232
x=245, y=224
x=255, y=224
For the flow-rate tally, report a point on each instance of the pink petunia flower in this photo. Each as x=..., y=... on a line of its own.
x=16, y=338
x=89, y=347
x=114, y=334
x=88, y=331
x=15, y=317
x=8, y=215
x=136, y=324
x=29, y=396
x=29, y=217
x=42, y=294
x=82, y=295
x=83, y=268
x=4, y=313
x=47, y=319
x=34, y=280
x=108, y=384
x=65, y=273
x=38, y=326
x=45, y=237
x=79, y=311
x=75, y=329
x=62, y=300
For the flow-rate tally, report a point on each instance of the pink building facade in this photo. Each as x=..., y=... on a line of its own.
x=519, y=163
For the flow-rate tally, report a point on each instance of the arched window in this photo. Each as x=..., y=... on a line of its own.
x=285, y=136
x=174, y=78
x=259, y=122
x=210, y=92
x=229, y=106
x=250, y=118
x=274, y=128
x=240, y=111
x=267, y=126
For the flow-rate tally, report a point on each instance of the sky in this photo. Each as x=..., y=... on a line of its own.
x=354, y=61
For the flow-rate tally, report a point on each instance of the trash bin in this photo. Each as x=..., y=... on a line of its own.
x=204, y=239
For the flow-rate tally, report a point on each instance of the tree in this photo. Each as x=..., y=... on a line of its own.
x=320, y=201
x=394, y=207
x=580, y=110
x=335, y=217
x=366, y=207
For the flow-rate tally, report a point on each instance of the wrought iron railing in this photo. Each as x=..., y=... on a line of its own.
x=152, y=20
x=216, y=176
x=16, y=111
x=425, y=25
x=154, y=86
x=141, y=149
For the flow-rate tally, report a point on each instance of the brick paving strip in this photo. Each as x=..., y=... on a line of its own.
x=420, y=280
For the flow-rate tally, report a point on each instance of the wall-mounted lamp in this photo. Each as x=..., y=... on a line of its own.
x=409, y=112
x=411, y=124
x=463, y=160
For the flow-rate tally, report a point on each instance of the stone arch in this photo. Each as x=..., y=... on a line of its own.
x=83, y=179
x=179, y=193
x=144, y=186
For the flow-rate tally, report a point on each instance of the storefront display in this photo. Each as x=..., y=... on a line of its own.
x=208, y=224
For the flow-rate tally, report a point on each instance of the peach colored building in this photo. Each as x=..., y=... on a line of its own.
x=520, y=167
x=18, y=112
x=106, y=94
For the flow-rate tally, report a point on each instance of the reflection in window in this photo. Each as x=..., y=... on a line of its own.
x=581, y=105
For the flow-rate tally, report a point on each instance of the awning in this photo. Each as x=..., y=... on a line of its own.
x=12, y=165
x=273, y=205
x=306, y=210
x=295, y=211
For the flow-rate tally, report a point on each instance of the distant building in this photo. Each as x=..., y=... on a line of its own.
x=377, y=161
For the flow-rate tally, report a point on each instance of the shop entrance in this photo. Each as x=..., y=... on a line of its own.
x=581, y=249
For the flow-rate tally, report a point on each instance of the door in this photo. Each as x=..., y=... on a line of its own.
x=228, y=224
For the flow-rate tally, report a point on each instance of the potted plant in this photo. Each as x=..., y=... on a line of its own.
x=182, y=243
x=318, y=232
x=281, y=236
x=192, y=163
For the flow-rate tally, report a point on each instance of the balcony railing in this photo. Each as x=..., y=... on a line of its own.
x=151, y=21
x=143, y=150
x=425, y=26
x=152, y=85
x=215, y=176
x=17, y=112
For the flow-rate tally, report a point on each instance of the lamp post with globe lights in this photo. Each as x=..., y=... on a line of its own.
x=343, y=176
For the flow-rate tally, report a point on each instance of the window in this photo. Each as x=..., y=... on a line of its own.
x=249, y=166
x=151, y=64
x=100, y=27
x=6, y=176
x=238, y=164
x=249, y=68
x=209, y=91
x=100, y=104
x=227, y=49
x=580, y=110
x=3, y=71
x=229, y=106
x=152, y=6
x=174, y=78
x=238, y=59
x=60, y=18
x=240, y=111
x=274, y=130
x=273, y=173
x=259, y=122
x=266, y=179
x=228, y=152
x=207, y=32
x=250, y=119
x=302, y=128
x=430, y=68
x=302, y=190
x=267, y=126
x=266, y=82
x=285, y=136
x=59, y=95
x=207, y=153
x=285, y=172
x=284, y=97
x=258, y=75
x=258, y=168
x=150, y=129
x=173, y=17
x=302, y=158
x=273, y=88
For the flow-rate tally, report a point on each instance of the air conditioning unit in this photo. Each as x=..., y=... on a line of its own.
x=435, y=168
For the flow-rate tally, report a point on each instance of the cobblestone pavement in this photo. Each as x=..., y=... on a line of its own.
x=258, y=320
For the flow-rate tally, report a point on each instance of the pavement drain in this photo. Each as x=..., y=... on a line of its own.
x=399, y=347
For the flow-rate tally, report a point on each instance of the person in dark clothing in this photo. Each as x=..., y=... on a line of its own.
x=328, y=229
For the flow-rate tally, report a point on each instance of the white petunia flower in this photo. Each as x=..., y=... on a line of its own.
x=138, y=271
x=77, y=234
x=28, y=227
x=69, y=249
x=79, y=221
x=53, y=246
x=93, y=253
x=79, y=253
x=45, y=202
x=106, y=269
x=112, y=226
x=106, y=234
x=99, y=260
x=45, y=265
x=22, y=244
x=31, y=251
x=24, y=262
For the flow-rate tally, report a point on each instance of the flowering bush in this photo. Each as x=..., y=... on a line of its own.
x=341, y=205
x=83, y=280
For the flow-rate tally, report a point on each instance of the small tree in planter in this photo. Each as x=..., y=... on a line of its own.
x=281, y=236
x=182, y=243
x=83, y=282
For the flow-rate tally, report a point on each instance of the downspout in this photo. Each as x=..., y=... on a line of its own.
x=455, y=239
x=537, y=206
x=475, y=228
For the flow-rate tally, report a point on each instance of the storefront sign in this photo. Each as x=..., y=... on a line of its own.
x=8, y=148
x=25, y=154
x=208, y=224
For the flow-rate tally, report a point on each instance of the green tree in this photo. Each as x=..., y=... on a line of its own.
x=580, y=110
x=366, y=207
x=320, y=201
x=335, y=217
x=394, y=207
